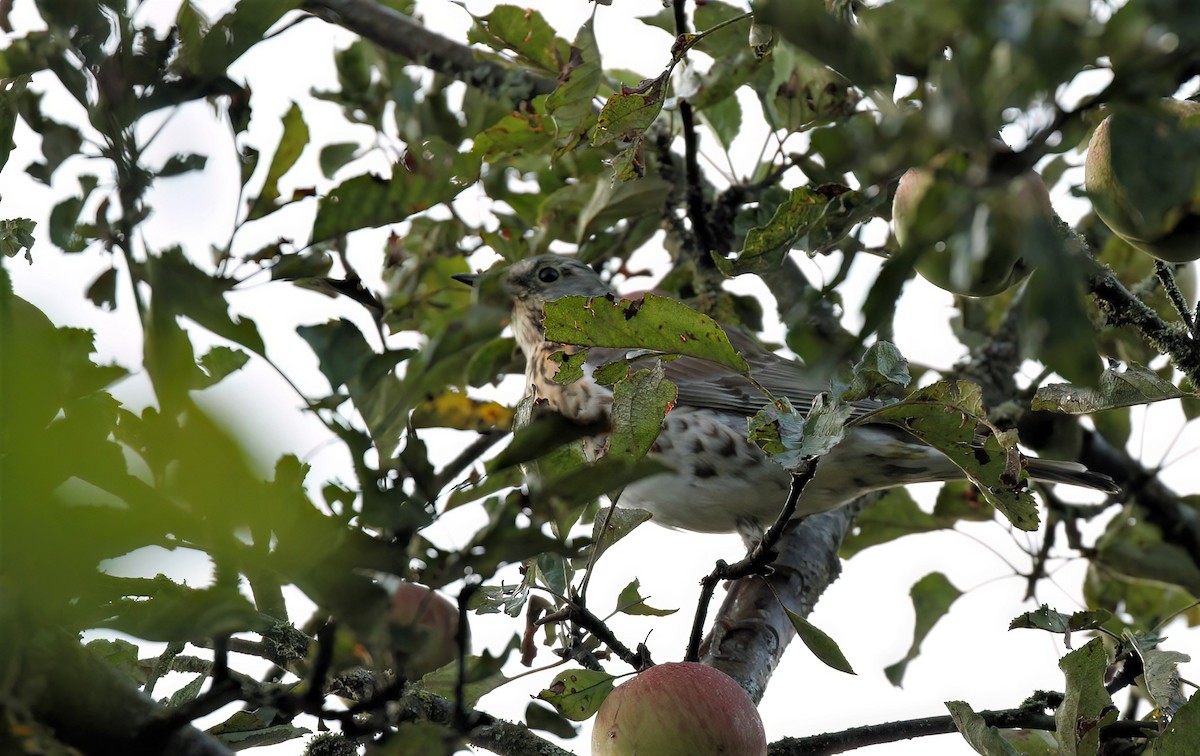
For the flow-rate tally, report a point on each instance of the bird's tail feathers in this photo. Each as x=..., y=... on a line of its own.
x=1071, y=473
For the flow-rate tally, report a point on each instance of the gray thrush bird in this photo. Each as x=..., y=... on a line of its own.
x=721, y=482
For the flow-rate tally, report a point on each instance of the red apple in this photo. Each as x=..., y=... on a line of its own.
x=1145, y=182
x=971, y=239
x=679, y=708
x=424, y=628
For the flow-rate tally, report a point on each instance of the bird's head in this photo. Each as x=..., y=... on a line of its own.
x=545, y=278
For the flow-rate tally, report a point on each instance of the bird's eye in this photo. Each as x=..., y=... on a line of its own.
x=547, y=275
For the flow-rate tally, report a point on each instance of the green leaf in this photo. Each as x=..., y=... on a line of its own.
x=429, y=174
x=822, y=646
x=219, y=362
x=121, y=655
x=250, y=729
x=525, y=32
x=570, y=105
x=188, y=692
x=1052, y=621
x=612, y=524
x=341, y=348
x=16, y=235
x=960, y=500
x=210, y=52
x=791, y=439
x=59, y=142
x=628, y=113
x=984, y=739
x=345, y=358
x=1119, y=386
x=1053, y=312
x=1086, y=705
x=103, y=291
x=1135, y=548
x=949, y=416
x=493, y=599
x=727, y=41
x=578, y=693
x=306, y=265
x=1160, y=672
x=538, y=717
x=803, y=91
x=334, y=156
x=630, y=601
x=1032, y=742
x=725, y=119
x=611, y=203
x=544, y=434
x=881, y=366
x=810, y=26
x=629, y=164
x=1182, y=736
x=893, y=516
x=491, y=483
x=184, y=289
x=65, y=231
x=766, y=245
x=639, y=404
x=932, y=597
x=11, y=90
x=482, y=676
x=177, y=613
x=582, y=485
x=514, y=135
x=291, y=144
x=183, y=163
x=657, y=323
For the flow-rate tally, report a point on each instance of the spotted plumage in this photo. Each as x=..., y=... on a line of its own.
x=721, y=482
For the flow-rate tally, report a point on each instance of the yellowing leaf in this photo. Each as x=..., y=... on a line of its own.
x=452, y=409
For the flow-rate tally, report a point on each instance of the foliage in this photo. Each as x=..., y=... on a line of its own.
x=557, y=152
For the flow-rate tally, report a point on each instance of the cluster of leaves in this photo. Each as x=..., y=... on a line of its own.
x=86, y=479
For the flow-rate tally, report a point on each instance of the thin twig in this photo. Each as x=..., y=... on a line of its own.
x=471, y=453
x=1167, y=279
x=576, y=612
x=462, y=639
x=162, y=665
x=321, y=664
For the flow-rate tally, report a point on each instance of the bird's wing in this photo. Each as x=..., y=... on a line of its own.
x=713, y=386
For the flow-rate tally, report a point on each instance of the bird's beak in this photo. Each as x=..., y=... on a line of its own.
x=470, y=279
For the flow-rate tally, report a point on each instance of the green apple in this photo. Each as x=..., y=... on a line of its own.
x=678, y=709
x=1143, y=176
x=970, y=239
x=424, y=626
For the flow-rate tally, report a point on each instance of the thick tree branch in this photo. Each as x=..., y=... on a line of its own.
x=404, y=36
x=1121, y=307
x=496, y=735
x=1179, y=523
x=751, y=630
x=890, y=732
x=697, y=206
x=757, y=561
x=88, y=703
